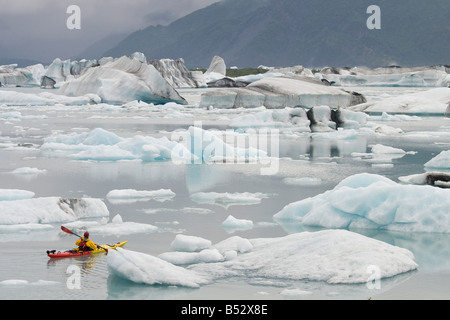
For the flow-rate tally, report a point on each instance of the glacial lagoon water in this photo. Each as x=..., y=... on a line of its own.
x=27, y=273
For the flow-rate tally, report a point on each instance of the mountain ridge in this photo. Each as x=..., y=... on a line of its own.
x=249, y=33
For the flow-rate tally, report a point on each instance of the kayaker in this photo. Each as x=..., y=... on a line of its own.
x=85, y=244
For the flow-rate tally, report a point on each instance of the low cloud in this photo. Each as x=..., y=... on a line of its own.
x=37, y=29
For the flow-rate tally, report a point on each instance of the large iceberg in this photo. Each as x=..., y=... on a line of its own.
x=316, y=119
x=332, y=256
x=369, y=201
x=146, y=269
x=177, y=75
x=121, y=81
x=436, y=76
x=10, y=75
x=433, y=101
x=50, y=210
x=278, y=93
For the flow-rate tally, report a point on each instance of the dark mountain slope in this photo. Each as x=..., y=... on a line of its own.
x=311, y=33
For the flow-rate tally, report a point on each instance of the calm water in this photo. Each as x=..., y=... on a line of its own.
x=22, y=256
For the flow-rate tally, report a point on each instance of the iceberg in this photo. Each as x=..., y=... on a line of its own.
x=433, y=101
x=121, y=81
x=189, y=243
x=50, y=210
x=441, y=161
x=102, y=145
x=278, y=93
x=146, y=269
x=131, y=195
x=217, y=66
x=232, y=224
x=332, y=256
x=369, y=201
x=227, y=199
x=177, y=75
x=316, y=119
x=116, y=227
x=11, y=76
x=15, y=194
x=435, y=76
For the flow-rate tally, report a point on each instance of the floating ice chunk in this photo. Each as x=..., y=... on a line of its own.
x=433, y=101
x=102, y=145
x=117, y=227
x=132, y=195
x=189, y=243
x=146, y=269
x=50, y=210
x=15, y=194
x=373, y=202
x=234, y=243
x=334, y=256
x=303, y=181
x=28, y=171
x=20, y=283
x=294, y=292
x=441, y=161
x=382, y=149
x=228, y=199
x=186, y=258
x=231, y=224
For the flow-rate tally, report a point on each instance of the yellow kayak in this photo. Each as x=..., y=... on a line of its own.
x=100, y=249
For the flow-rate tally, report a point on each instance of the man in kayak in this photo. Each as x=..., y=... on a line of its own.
x=85, y=244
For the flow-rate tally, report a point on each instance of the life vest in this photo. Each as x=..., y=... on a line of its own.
x=83, y=245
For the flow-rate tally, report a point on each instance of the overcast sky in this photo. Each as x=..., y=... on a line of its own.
x=37, y=29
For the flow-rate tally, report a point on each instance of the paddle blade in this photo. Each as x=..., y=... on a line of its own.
x=66, y=230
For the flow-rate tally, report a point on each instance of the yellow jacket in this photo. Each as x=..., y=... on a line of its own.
x=88, y=243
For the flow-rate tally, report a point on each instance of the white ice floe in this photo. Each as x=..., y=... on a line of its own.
x=21, y=282
x=28, y=171
x=435, y=76
x=194, y=145
x=382, y=154
x=227, y=199
x=102, y=145
x=371, y=201
x=441, y=161
x=15, y=194
x=50, y=210
x=146, y=269
x=232, y=224
x=303, y=181
x=189, y=243
x=131, y=195
x=333, y=256
x=14, y=98
x=116, y=227
x=433, y=101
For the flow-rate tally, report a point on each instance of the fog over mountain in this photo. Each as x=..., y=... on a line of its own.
x=250, y=33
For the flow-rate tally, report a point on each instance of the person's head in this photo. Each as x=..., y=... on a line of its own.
x=86, y=235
